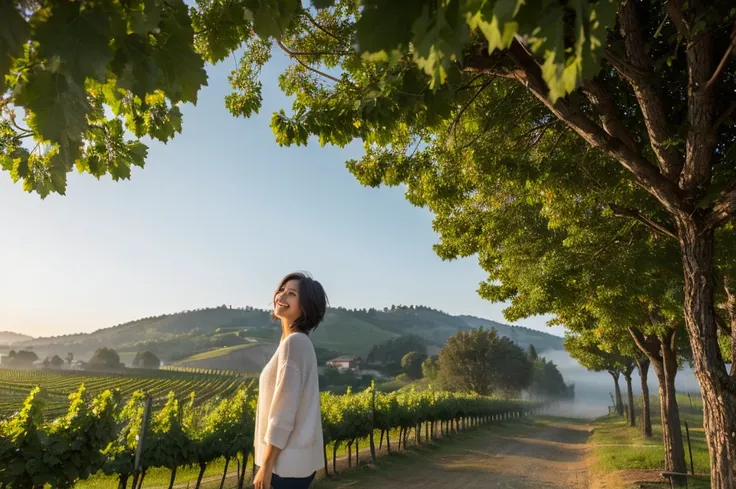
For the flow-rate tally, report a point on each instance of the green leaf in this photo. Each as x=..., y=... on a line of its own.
x=76, y=41
x=384, y=24
x=182, y=71
x=57, y=109
x=322, y=4
x=14, y=32
x=271, y=18
x=497, y=23
x=135, y=66
x=144, y=16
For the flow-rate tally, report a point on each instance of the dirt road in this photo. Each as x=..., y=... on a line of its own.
x=542, y=457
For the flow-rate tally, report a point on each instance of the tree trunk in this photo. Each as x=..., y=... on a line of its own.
x=202, y=468
x=631, y=412
x=241, y=476
x=350, y=454
x=324, y=453
x=660, y=349
x=224, y=472
x=646, y=412
x=372, y=442
x=716, y=385
x=334, y=458
x=380, y=443
x=671, y=427
x=143, y=476
x=388, y=441
x=173, y=478
x=619, y=402
x=122, y=482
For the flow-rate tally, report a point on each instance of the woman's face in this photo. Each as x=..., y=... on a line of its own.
x=286, y=304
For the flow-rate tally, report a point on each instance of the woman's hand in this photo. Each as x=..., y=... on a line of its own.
x=263, y=478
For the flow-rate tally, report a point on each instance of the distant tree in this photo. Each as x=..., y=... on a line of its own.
x=431, y=368
x=482, y=362
x=105, y=358
x=411, y=364
x=146, y=359
x=532, y=353
x=393, y=350
x=22, y=358
x=56, y=361
x=547, y=381
x=69, y=358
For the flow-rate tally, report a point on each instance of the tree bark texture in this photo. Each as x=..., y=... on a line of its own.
x=717, y=386
x=646, y=412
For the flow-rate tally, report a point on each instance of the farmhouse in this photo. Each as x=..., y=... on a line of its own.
x=345, y=362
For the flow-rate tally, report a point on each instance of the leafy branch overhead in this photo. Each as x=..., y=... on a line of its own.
x=83, y=82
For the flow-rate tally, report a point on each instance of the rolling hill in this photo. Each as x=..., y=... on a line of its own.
x=229, y=333
x=8, y=337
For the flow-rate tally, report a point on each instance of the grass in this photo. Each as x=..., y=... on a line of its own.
x=216, y=353
x=618, y=447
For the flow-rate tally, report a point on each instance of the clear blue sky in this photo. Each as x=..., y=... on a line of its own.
x=218, y=216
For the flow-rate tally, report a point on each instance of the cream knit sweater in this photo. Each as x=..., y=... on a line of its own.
x=288, y=412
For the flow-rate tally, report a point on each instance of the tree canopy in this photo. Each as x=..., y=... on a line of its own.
x=482, y=362
x=105, y=358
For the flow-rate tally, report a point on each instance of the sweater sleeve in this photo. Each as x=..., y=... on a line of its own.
x=286, y=396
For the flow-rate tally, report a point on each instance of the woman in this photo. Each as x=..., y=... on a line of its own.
x=288, y=431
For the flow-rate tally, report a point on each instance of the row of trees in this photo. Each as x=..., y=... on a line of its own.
x=102, y=434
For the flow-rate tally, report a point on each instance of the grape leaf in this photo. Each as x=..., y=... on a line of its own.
x=14, y=31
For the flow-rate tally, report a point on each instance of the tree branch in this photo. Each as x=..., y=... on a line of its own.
x=722, y=208
x=724, y=61
x=674, y=10
x=602, y=101
x=722, y=118
x=459, y=116
x=295, y=56
x=318, y=26
x=651, y=101
x=651, y=224
x=701, y=105
x=645, y=174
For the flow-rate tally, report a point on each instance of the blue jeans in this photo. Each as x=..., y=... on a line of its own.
x=290, y=482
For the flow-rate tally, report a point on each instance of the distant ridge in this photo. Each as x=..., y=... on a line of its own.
x=177, y=336
x=8, y=337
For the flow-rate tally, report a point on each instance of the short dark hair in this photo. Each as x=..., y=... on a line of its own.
x=312, y=298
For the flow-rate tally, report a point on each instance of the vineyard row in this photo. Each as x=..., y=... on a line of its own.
x=101, y=433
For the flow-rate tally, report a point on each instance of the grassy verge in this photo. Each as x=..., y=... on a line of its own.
x=621, y=449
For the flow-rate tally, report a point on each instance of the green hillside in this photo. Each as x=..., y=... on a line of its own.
x=177, y=337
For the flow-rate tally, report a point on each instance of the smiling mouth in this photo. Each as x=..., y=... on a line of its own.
x=282, y=305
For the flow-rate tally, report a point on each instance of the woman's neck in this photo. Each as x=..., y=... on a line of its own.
x=286, y=329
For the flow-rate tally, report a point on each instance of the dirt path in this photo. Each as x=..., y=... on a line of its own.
x=543, y=457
